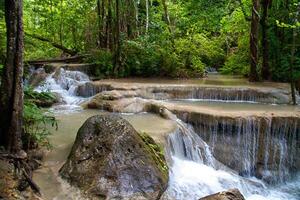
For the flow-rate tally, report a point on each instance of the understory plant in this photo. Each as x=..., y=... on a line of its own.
x=36, y=122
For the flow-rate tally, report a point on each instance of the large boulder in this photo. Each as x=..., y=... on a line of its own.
x=110, y=160
x=233, y=194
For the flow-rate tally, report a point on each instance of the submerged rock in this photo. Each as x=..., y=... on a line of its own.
x=110, y=160
x=233, y=194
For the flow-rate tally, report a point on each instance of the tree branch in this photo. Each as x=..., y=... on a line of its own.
x=54, y=44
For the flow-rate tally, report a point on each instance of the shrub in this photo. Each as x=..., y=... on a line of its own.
x=35, y=126
x=36, y=121
x=103, y=62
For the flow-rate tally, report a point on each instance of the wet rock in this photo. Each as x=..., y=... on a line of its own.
x=66, y=79
x=188, y=91
x=50, y=68
x=233, y=194
x=110, y=160
x=126, y=105
x=89, y=89
x=37, y=77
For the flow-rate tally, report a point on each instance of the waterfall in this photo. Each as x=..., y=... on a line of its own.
x=264, y=147
x=221, y=94
x=64, y=84
x=195, y=172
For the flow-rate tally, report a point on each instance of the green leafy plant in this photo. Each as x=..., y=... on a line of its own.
x=31, y=94
x=36, y=126
x=103, y=62
x=36, y=122
x=41, y=99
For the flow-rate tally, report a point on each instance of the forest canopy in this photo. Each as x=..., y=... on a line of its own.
x=174, y=38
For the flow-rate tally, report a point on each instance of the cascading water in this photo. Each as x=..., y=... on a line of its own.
x=64, y=83
x=219, y=94
x=265, y=147
x=195, y=172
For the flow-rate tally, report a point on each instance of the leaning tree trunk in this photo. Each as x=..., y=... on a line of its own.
x=147, y=16
x=100, y=22
x=265, y=41
x=254, y=41
x=166, y=15
x=117, y=40
x=11, y=91
x=293, y=50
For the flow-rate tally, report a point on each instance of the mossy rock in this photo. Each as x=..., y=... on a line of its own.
x=156, y=151
x=111, y=160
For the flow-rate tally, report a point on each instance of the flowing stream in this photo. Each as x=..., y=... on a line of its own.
x=196, y=173
x=194, y=170
x=64, y=83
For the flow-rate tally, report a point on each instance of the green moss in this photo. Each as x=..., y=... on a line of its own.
x=157, y=153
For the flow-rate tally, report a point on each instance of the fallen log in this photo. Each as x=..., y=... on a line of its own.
x=73, y=59
x=54, y=44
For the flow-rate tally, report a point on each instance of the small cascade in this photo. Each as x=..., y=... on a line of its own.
x=195, y=172
x=231, y=95
x=254, y=146
x=186, y=144
x=65, y=84
x=221, y=94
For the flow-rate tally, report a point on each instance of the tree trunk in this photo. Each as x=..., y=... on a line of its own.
x=56, y=45
x=293, y=50
x=11, y=91
x=61, y=24
x=109, y=26
x=265, y=41
x=166, y=15
x=130, y=18
x=117, y=39
x=168, y=21
x=136, y=6
x=147, y=16
x=100, y=22
x=254, y=41
x=103, y=17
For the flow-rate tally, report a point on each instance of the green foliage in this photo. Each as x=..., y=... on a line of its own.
x=65, y=22
x=140, y=58
x=103, y=60
x=36, y=122
x=36, y=126
x=235, y=31
x=238, y=58
x=41, y=99
x=30, y=94
x=201, y=33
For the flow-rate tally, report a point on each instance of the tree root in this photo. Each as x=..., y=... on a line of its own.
x=22, y=169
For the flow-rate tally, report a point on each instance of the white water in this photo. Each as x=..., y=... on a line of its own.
x=195, y=173
x=64, y=83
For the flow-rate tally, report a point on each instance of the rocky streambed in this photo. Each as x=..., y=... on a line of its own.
x=217, y=135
